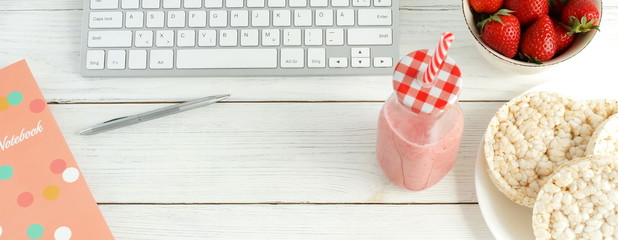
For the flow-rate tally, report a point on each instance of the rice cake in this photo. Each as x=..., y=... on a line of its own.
x=604, y=140
x=579, y=201
x=534, y=134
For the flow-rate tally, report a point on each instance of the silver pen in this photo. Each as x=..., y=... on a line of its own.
x=157, y=113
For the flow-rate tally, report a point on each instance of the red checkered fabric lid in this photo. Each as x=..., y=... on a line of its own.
x=430, y=99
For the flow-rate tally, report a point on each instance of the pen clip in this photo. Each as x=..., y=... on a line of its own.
x=115, y=119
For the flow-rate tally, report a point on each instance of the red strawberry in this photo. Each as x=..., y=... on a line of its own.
x=556, y=6
x=538, y=43
x=486, y=6
x=501, y=32
x=563, y=38
x=581, y=16
x=527, y=11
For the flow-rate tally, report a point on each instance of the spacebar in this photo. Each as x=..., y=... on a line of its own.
x=226, y=58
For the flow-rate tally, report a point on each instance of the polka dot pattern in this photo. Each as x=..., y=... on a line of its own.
x=63, y=233
x=37, y=105
x=35, y=231
x=15, y=98
x=51, y=192
x=70, y=175
x=6, y=172
x=25, y=199
x=58, y=166
x=4, y=104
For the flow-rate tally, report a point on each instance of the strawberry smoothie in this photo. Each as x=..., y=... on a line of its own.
x=417, y=150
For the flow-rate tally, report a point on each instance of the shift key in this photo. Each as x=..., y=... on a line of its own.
x=109, y=38
x=370, y=36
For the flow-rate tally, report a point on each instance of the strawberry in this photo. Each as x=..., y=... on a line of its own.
x=556, y=6
x=563, y=38
x=486, y=6
x=581, y=16
x=538, y=42
x=527, y=11
x=501, y=32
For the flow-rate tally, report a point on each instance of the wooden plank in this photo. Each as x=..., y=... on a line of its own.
x=54, y=58
x=137, y=222
x=78, y=4
x=257, y=152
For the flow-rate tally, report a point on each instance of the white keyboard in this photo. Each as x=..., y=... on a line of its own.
x=156, y=38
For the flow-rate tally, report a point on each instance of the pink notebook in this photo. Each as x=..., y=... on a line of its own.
x=43, y=194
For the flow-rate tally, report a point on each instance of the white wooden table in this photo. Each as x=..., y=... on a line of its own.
x=283, y=158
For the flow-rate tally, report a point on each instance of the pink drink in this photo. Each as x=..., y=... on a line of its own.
x=417, y=150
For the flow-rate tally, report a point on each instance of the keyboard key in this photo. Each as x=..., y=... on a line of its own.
x=302, y=18
x=137, y=59
x=155, y=19
x=161, y=59
x=345, y=17
x=143, y=38
x=382, y=3
x=374, y=17
x=116, y=59
x=105, y=20
x=234, y=3
x=185, y=38
x=298, y=3
x=291, y=37
x=255, y=3
x=276, y=3
x=226, y=58
x=360, y=62
x=130, y=4
x=270, y=37
x=150, y=4
x=193, y=3
x=218, y=18
x=134, y=20
x=95, y=59
x=334, y=37
x=260, y=18
x=340, y=3
x=239, y=18
x=213, y=3
x=109, y=38
x=249, y=37
x=316, y=57
x=324, y=17
x=382, y=62
x=165, y=38
x=197, y=19
x=361, y=3
x=281, y=18
x=318, y=3
x=338, y=62
x=176, y=19
x=360, y=52
x=228, y=38
x=370, y=36
x=313, y=37
x=292, y=57
x=103, y=4
x=207, y=38
x=171, y=3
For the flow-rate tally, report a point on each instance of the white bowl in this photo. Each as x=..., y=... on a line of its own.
x=517, y=66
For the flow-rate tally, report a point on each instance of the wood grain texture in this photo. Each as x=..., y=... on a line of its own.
x=370, y=222
x=54, y=58
x=254, y=152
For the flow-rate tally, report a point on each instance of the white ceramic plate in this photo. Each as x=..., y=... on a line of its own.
x=506, y=219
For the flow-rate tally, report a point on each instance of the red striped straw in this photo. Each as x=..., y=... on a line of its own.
x=437, y=60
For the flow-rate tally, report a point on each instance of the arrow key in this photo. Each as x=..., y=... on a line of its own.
x=336, y=62
x=360, y=62
x=360, y=52
x=382, y=62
